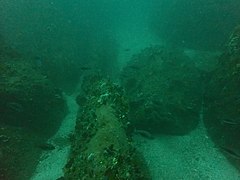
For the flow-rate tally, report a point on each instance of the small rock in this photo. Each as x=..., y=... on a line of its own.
x=46, y=146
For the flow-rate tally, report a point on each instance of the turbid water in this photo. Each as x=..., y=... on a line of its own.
x=66, y=40
x=192, y=156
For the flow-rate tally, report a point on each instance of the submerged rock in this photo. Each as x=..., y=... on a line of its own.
x=28, y=99
x=31, y=110
x=222, y=100
x=46, y=146
x=164, y=91
x=101, y=148
x=145, y=134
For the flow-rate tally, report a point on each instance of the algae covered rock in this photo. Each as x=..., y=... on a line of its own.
x=19, y=154
x=101, y=148
x=28, y=99
x=222, y=99
x=31, y=109
x=164, y=91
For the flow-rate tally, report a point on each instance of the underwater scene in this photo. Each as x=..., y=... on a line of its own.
x=119, y=90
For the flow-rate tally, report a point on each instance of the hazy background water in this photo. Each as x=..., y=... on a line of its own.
x=66, y=39
x=67, y=35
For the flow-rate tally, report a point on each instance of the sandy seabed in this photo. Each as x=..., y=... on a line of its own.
x=51, y=163
x=190, y=157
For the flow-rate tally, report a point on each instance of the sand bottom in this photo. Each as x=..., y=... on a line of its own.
x=51, y=163
x=191, y=157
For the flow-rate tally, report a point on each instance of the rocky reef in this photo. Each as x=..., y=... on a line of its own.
x=102, y=148
x=19, y=152
x=222, y=100
x=31, y=110
x=28, y=99
x=164, y=91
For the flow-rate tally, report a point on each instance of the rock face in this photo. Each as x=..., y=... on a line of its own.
x=28, y=99
x=19, y=153
x=31, y=109
x=222, y=99
x=164, y=91
x=101, y=148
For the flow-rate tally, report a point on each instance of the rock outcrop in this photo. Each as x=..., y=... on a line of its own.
x=222, y=100
x=28, y=99
x=164, y=91
x=31, y=110
x=101, y=148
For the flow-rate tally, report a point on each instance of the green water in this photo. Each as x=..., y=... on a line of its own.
x=48, y=47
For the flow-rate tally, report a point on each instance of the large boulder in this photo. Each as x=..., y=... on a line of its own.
x=31, y=109
x=164, y=91
x=28, y=99
x=19, y=152
x=222, y=99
